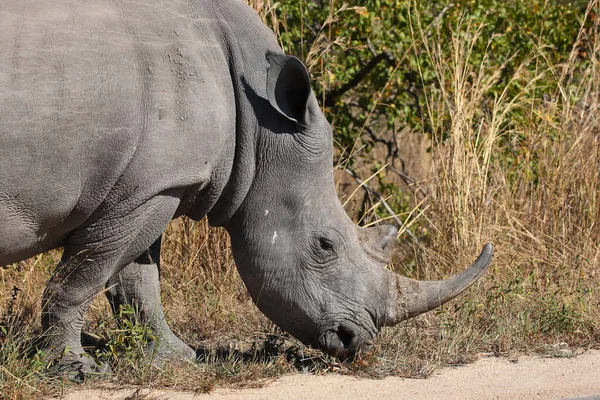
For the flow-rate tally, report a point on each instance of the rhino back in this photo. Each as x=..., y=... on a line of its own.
x=105, y=103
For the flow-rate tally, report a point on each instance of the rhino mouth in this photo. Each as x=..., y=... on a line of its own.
x=343, y=340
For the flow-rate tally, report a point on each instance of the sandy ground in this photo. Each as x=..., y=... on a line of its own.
x=489, y=378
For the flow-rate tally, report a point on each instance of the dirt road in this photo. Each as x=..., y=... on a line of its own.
x=489, y=378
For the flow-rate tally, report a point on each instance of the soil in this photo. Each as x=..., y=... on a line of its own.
x=528, y=377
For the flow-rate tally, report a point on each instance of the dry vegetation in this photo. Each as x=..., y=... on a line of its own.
x=540, y=209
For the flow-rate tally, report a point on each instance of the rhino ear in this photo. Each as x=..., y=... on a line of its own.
x=288, y=86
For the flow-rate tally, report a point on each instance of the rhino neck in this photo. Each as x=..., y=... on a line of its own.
x=246, y=41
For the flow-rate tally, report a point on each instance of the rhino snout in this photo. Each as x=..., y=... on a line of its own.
x=344, y=341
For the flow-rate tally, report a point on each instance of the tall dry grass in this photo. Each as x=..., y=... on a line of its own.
x=548, y=197
x=540, y=209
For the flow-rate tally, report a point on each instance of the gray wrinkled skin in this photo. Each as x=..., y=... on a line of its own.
x=117, y=116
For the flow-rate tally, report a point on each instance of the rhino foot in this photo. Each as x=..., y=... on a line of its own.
x=79, y=367
x=171, y=350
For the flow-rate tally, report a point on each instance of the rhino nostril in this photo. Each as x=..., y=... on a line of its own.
x=345, y=337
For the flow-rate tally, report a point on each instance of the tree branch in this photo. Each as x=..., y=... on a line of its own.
x=334, y=95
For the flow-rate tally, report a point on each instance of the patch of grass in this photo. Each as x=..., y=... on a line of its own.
x=21, y=366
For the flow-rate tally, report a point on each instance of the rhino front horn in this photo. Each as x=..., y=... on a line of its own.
x=414, y=297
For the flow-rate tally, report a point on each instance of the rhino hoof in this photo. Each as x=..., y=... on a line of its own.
x=176, y=351
x=78, y=368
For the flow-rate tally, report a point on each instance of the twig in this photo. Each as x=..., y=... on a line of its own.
x=438, y=18
x=409, y=181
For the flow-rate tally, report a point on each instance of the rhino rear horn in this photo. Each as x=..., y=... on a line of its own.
x=414, y=297
x=288, y=86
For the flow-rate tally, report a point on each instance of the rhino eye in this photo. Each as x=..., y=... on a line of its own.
x=325, y=244
x=323, y=251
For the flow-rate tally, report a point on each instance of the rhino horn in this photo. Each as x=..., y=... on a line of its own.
x=414, y=297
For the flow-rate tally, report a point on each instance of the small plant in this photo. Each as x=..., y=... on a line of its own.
x=127, y=343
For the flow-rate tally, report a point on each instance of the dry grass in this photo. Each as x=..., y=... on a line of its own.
x=540, y=209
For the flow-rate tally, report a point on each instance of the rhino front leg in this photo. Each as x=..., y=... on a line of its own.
x=138, y=285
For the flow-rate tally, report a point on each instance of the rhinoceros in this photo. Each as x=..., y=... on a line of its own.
x=118, y=116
